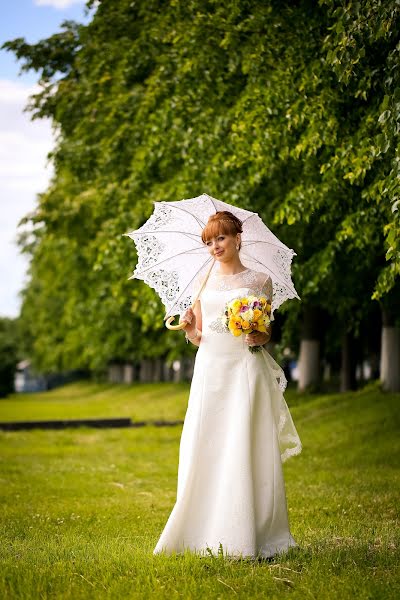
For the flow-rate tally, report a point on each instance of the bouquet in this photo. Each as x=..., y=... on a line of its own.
x=247, y=314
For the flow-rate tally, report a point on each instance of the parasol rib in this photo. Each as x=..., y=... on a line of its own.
x=191, y=251
x=137, y=232
x=172, y=205
x=282, y=247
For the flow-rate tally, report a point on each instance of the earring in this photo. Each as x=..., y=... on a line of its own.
x=237, y=247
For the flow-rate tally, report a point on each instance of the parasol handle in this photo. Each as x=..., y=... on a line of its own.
x=174, y=327
x=184, y=323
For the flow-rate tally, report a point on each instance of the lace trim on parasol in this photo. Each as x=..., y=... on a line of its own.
x=161, y=216
x=283, y=260
x=165, y=283
x=149, y=249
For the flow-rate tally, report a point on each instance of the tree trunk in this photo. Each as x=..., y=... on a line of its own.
x=146, y=370
x=115, y=373
x=390, y=353
x=128, y=373
x=188, y=367
x=158, y=370
x=349, y=363
x=168, y=372
x=309, y=358
x=178, y=370
x=327, y=372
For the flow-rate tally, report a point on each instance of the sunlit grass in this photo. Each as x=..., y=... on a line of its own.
x=90, y=400
x=82, y=509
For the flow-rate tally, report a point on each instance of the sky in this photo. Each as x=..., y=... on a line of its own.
x=24, y=144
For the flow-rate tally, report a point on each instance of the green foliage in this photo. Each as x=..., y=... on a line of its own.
x=288, y=109
x=363, y=52
x=9, y=354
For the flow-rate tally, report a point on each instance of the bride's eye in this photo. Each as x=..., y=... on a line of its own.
x=221, y=237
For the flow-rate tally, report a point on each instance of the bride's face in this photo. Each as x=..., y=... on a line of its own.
x=223, y=247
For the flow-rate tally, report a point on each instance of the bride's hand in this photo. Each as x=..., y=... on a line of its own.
x=190, y=319
x=257, y=338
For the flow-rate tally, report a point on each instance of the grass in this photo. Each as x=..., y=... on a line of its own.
x=90, y=400
x=82, y=509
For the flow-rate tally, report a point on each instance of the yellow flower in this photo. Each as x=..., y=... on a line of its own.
x=237, y=332
x=257, y=314
x=245, y=324
x=235, y=326
x=261, y=325
x=235, y=306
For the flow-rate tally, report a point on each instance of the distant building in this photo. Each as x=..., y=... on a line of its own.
x=26, y=381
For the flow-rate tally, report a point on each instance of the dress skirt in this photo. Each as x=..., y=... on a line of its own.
x=231, y=491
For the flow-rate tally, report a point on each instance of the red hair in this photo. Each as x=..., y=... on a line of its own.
x=222, y=223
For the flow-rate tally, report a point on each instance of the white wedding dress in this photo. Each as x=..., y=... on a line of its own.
x=236, y=433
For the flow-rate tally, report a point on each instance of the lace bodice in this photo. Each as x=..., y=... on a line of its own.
x=247, y=281
x=219, y=290
x=259, y=282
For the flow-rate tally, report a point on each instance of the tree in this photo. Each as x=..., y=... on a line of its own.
x=288, y=109
x=9, y=354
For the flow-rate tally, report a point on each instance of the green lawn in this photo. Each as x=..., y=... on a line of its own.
x=90, y=400
x=82, y=509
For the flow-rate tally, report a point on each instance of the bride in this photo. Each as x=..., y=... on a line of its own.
x=238, y=429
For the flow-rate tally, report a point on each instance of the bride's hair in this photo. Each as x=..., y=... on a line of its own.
x=222, y=223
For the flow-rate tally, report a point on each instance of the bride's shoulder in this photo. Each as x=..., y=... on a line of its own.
x=260, y=276
x=262, y=283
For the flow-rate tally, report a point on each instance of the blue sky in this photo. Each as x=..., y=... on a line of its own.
x=24, y=145
x=33, y=20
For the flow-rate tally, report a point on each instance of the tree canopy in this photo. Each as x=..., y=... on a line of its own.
x=290, y=109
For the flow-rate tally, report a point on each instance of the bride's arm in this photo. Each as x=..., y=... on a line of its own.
x=197, y=313
x=193, y=326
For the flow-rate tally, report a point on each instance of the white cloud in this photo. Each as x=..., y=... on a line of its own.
x=24, y=172
x=58, y=4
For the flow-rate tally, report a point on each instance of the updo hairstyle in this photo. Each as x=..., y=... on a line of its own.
x=222, y=223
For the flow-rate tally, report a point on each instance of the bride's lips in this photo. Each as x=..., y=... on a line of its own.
x=218, y=253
